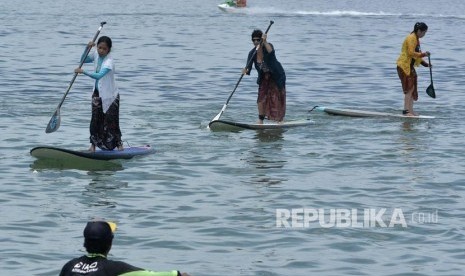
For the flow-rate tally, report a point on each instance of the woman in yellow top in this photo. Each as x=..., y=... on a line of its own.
x=410, y=57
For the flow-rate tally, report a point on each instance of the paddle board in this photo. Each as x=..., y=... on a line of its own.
x=363, y=113
x=102, y=155
x=221, y=125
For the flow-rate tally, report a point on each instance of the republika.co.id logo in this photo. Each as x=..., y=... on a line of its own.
x=299, y=218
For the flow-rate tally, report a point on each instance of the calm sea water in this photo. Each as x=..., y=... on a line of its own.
x=206, y=202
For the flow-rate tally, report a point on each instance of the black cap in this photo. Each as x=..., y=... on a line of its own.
x=99, y=230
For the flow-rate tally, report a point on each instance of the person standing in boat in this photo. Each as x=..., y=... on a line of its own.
x=237, y=3
x=241, y=3
x=105, y=132
x=410, y=57
x=271, y=100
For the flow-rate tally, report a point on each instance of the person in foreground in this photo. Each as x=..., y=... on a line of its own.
x=410, y=57
x=105, y=132
x=98, y=237
x=271, y=100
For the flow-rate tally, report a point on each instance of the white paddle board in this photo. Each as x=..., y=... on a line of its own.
x=221, y=125
x=363, y=113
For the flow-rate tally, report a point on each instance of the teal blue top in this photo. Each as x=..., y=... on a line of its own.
x=99, y=72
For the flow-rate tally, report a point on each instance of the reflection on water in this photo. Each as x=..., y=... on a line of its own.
x=266, y=180
x=105, y=180
x=264, y=158
x=414, y=152
x=269, y=135
x=262, y=162
x=91, y=165
x=406, y=126
x=100, y=190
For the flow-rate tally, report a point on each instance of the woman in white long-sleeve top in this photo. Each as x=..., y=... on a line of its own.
x=105, y=132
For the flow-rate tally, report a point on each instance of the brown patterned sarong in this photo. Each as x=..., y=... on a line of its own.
x=104, y=127
x=409, y=83
x=273, y=99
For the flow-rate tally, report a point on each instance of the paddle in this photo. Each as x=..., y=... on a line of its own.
x=54, y=122
x=217, y=117
x=430, y=90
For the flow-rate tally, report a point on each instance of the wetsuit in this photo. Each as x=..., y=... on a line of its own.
x=99, y=265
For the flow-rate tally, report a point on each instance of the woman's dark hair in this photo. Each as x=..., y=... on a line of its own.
x=420, y=26
x=257, y=33
x=105, y=39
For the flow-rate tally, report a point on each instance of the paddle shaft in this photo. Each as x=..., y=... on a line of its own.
x=430, y=90
x=430, y=70
x=80, y=64
x=217, y=117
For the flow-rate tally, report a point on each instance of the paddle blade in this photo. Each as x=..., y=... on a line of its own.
x=54, y=122
x=430, y=91
x=217, y=117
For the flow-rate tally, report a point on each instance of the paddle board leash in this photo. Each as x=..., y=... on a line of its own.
x=312, y=108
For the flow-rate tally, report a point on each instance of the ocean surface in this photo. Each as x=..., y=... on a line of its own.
x=343, y=196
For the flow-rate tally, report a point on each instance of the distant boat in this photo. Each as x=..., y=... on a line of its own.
x=230, y=7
